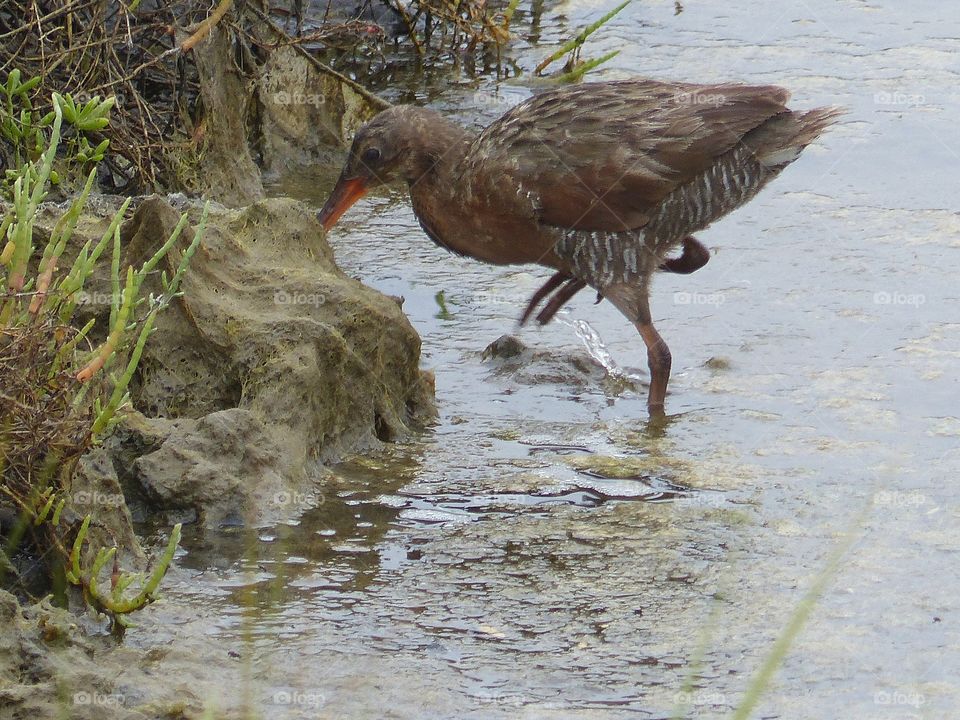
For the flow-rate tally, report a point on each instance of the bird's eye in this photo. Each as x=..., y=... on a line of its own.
x=370, y=156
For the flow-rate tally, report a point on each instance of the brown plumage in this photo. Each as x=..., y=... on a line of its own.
x=598, y=181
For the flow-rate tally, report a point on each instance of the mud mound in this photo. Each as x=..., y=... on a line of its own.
x=272, y=363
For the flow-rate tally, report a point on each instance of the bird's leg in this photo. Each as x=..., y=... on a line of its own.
x=634, y=303
x=658, y=357
x=659, y=361
x=560, y=297
x=695, y=255
x=548, y=287
x=568, y=288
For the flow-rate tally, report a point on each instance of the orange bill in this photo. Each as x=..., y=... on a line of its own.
x=345, y=193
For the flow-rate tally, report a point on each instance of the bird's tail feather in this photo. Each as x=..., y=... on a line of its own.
x=780, y=140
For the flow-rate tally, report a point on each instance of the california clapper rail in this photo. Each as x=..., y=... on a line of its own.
x=598, y=182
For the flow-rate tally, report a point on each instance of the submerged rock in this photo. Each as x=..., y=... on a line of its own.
x=510, y=358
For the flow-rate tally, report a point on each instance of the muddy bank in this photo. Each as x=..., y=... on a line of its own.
x=271, y=365
x=53, y=664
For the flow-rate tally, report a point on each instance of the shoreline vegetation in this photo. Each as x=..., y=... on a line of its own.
x=65, y=383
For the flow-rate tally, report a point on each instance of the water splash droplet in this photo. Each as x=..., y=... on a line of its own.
x=595, y=346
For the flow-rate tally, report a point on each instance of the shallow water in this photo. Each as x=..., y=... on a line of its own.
x=544, y=551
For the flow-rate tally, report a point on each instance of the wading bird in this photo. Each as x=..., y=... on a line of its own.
x=598, y=182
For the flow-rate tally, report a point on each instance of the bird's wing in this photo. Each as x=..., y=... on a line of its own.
x=601, y=156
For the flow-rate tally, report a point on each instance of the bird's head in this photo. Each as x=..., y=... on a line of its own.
x=394, y=145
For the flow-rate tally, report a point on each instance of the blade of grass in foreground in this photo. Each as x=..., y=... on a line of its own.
x=579, y=39
x=707, y=631
x=764, y=677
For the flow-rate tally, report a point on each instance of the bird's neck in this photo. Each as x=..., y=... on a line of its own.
x=435, y=191
x=436, y=150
